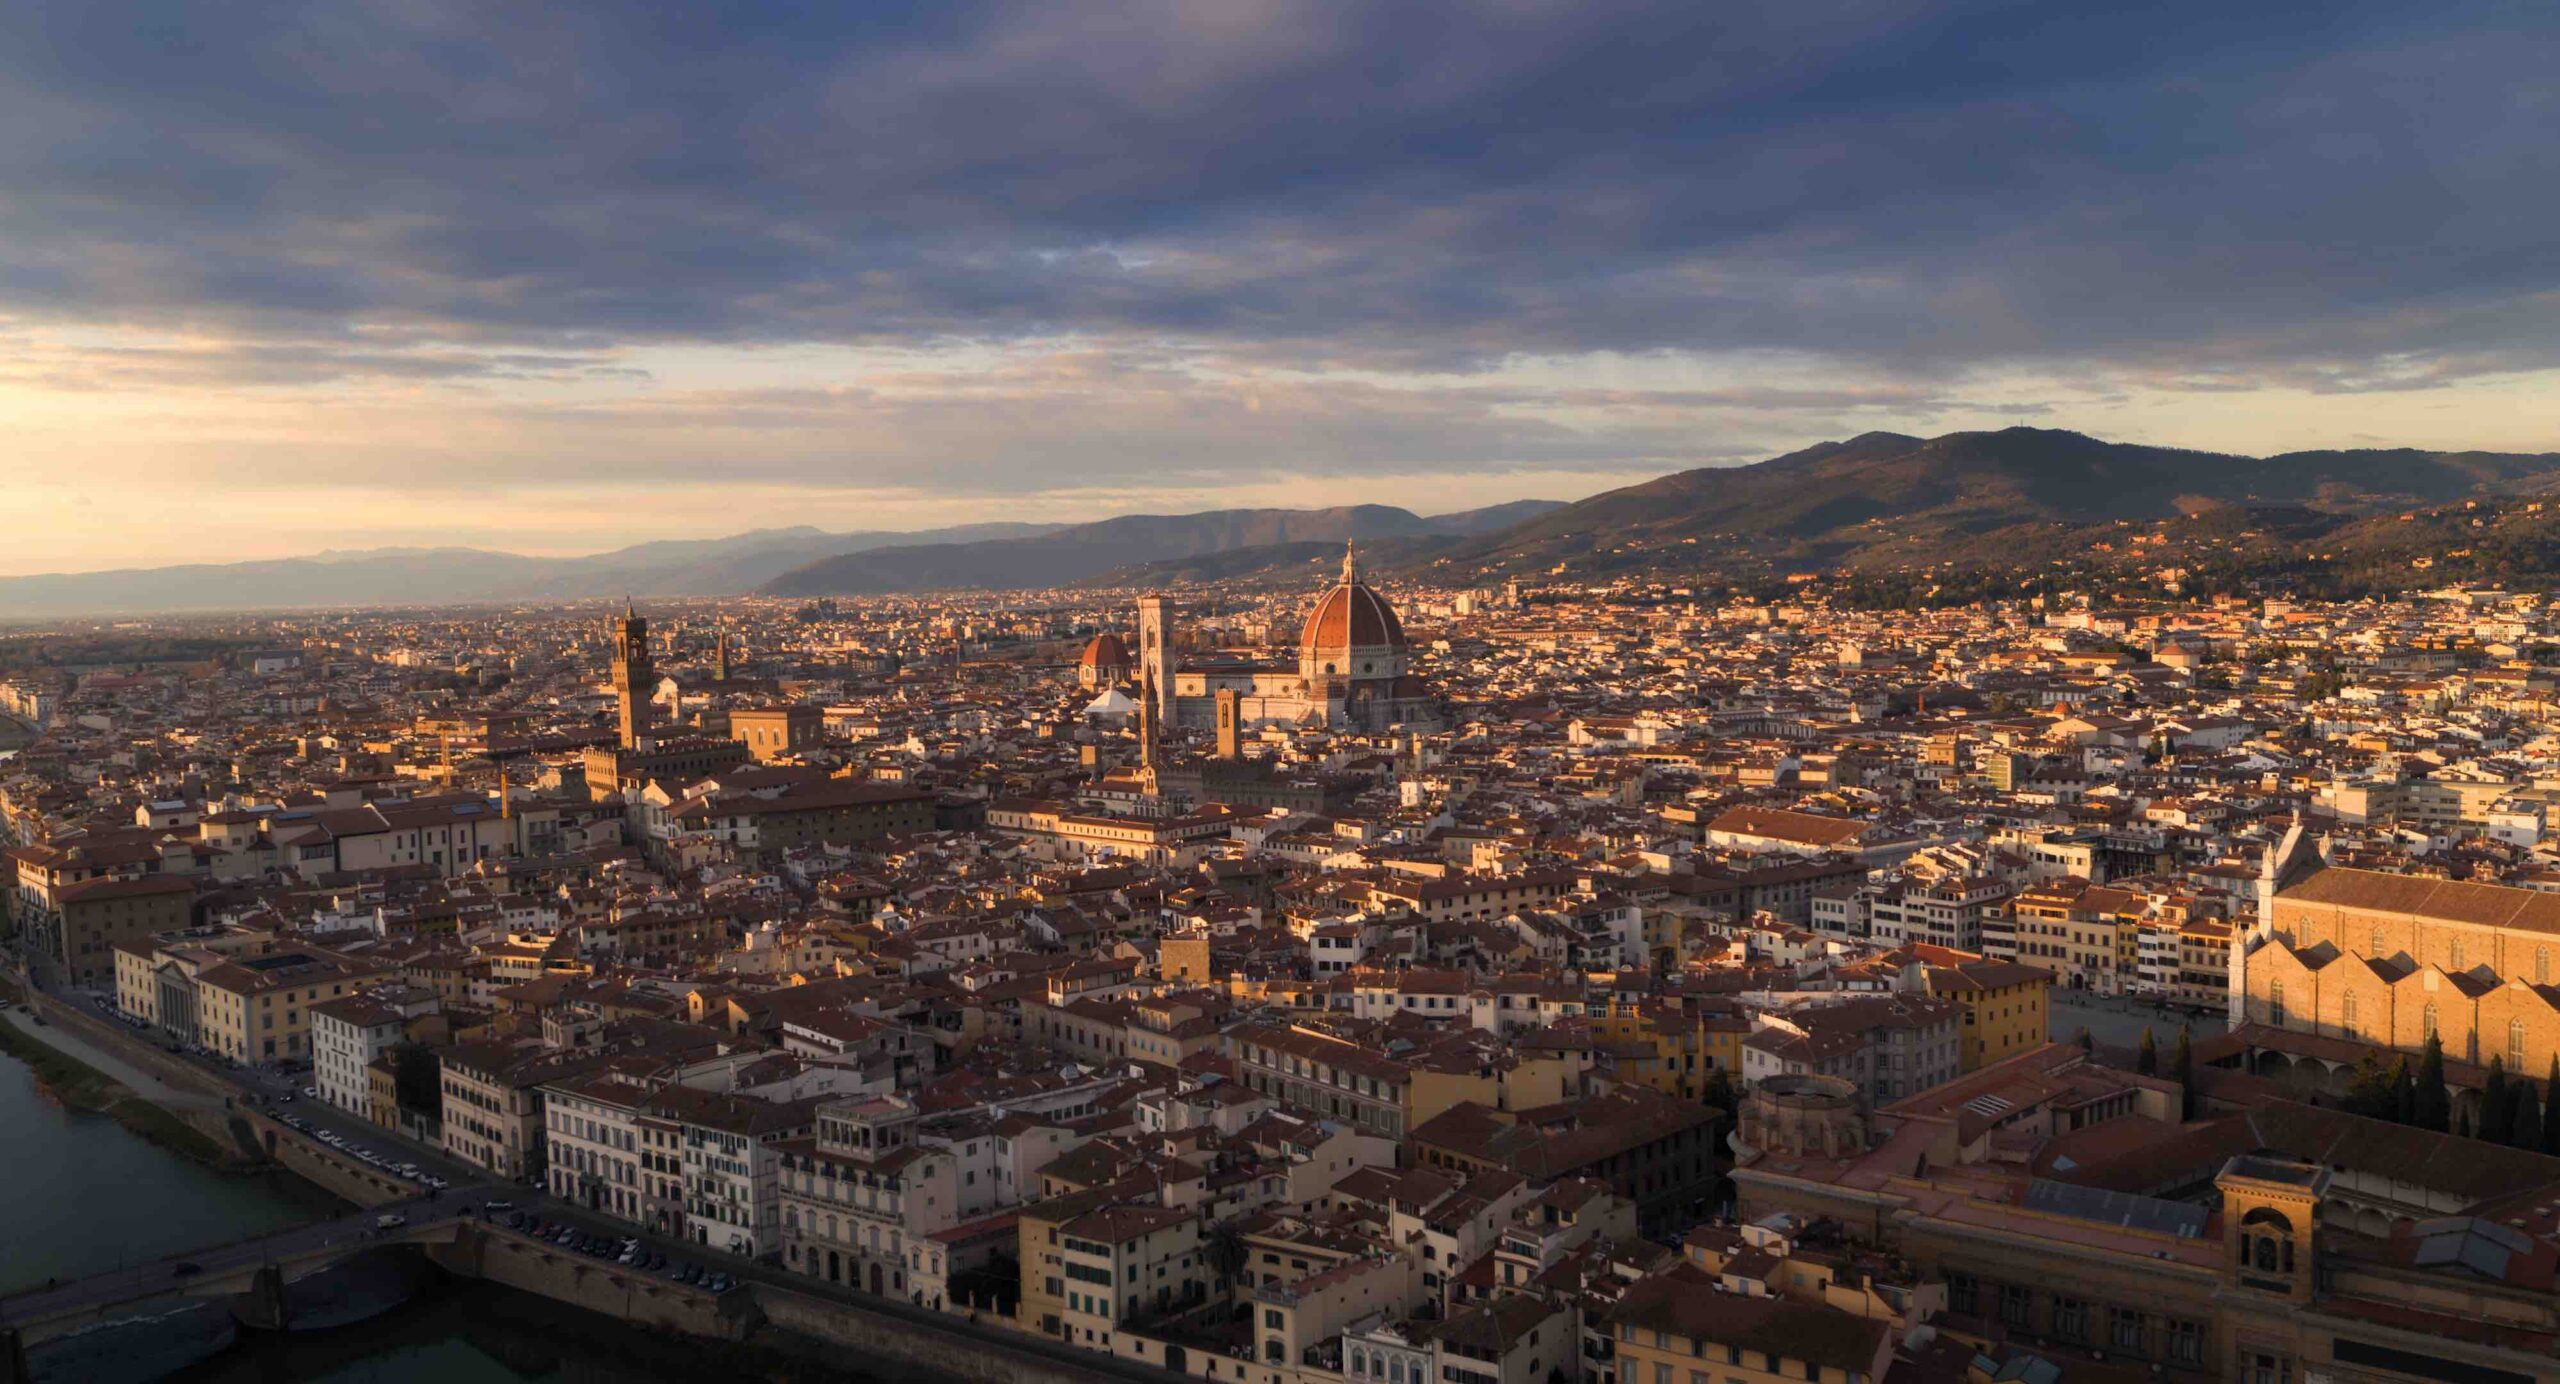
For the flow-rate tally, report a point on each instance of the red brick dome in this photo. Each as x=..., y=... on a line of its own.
x=1104, y=651
x=1352, y=631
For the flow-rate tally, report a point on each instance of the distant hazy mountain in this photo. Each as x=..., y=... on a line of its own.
x=1942, y=496
x=1073, y=554
x=420, y=576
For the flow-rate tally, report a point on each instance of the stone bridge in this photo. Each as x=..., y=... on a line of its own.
x=251, y=1274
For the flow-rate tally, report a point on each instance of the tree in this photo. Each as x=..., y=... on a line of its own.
x=2146, y=1055
x=2088, y=1042
x=1720, y=1093
x=2370, y=1094
x=2551, y=1109
x=2434, y=1110
x=2182, y=1066
x=1228, y=1253
x=2495, y=1109
x=2524, y=1116
x=2404, y=1093
x=417, y=1078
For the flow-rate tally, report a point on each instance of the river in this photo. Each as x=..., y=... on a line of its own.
x=84, y=1195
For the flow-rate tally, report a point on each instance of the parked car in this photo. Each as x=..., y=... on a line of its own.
x=389, y=1222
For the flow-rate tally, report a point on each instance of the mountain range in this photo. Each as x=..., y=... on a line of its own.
x=428, y=576
x=1885, y=500
x=1069, y=555
x=1876, y=502
x=1947, y=492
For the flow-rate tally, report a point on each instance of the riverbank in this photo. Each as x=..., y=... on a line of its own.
x=80, y=1086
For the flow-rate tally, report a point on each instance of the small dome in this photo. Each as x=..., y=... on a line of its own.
x=1104, y=651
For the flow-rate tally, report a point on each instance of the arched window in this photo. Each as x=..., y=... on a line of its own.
x=2542, y=965
x=2347, y=1016
x=2268, y=1242
x=2456, y=952
x=2515, y=1046
x=1359, y=1364
x=1395, y=1372
x=2381, y=945
x=2275, y=1003
x=2427, y=1023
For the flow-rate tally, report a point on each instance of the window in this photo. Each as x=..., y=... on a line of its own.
x=2070, y=1318
x=2380, y=946
x=2275, y=1003
x=2128, y=1333
x=2456, y=953
x=2015, y=1303
x=2347, y=1016
x=2427, y=1023
x=2186, y=1343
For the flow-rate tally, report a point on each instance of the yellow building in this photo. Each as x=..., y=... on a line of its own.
x=1681, y=1328
x=1673, y=1051
x=2007, y=1004
x=258, y=1008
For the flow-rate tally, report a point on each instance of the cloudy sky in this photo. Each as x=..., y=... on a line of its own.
x=277, y=277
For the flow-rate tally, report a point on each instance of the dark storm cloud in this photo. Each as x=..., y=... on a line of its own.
x=2350, y=195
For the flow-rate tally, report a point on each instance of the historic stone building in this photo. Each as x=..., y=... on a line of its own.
x=1353, y=670
x=2392, y=960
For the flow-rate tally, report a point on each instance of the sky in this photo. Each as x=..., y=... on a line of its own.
x=282, y=277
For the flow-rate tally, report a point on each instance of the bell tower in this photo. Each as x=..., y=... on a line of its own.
x=1155, y=651
x=634, y=678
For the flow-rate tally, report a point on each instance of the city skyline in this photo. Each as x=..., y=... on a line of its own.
x=369, y=277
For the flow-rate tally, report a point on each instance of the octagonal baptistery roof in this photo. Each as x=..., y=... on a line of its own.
x=1348, y=619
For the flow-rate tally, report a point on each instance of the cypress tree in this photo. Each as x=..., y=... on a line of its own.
x=2182, y=1066
x=2495, y=1109
x=2524, y=1116
x=2551, y=1109
x=2146, y=1055
x=2404, y=1093
x=2434, y=1107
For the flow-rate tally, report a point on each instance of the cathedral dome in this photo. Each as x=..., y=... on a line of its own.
x=1104, y=651
x=1352, y=632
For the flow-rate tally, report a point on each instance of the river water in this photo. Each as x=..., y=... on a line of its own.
x=81, y=1195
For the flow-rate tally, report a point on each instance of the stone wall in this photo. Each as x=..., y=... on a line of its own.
x=250, y=1132
x=326, y=1168
x=636, y=1297
x=945, y=1344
